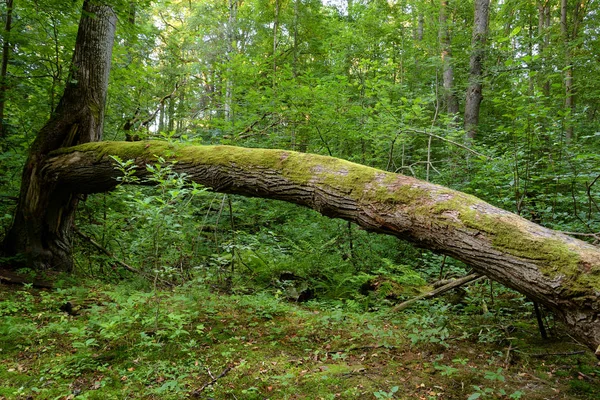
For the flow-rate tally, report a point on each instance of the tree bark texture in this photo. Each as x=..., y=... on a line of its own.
x=474, y=91
x=41, y=228
x=559, y=271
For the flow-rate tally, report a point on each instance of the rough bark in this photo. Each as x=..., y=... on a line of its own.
x=42, y=225
x=447, y=68
x=559, y=271
x=474, y=91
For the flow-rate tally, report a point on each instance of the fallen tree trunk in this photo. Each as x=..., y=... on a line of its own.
x=556, y=270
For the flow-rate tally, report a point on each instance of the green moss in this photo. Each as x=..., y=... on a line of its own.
x=299, y=168
x=94, y=110
x=358, y=182
x=363, y=184
x=125, y=150
x=509, y=233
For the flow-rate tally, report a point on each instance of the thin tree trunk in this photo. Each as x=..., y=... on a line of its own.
x=420, y=27
x=474, y=92
x=419, y=38
x=230, y=37
x=568, y=70
x=161, y=117
x=131, y=13
x=4, y=67
x=447, y=68
x=41, y=230
x=275, y=31
x=295, y=59
x=171, y=114
x=556, y=270
x=543, y=33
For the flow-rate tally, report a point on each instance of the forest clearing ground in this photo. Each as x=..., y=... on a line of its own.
x=123, y=342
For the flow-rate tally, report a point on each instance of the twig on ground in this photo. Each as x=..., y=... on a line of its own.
x=197, y=392
x=507, y=358
x=381, y=346
x=570, y=353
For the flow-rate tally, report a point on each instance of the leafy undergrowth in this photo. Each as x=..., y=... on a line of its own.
x=130, y=342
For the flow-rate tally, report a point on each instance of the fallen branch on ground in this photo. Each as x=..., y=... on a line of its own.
x=571, y=353
x=197, y=392
x=452, y=285
x=11, y=277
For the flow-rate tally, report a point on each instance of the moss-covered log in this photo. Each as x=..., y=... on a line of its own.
x=559, y=271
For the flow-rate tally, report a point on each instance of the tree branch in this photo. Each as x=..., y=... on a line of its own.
x=443, y=289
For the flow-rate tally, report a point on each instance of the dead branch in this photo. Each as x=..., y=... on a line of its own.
x=11, y=277
x=138, y=117
x=197, y=392
x=105, y=251
x=449, y=141
x=570, y=353
x=452, y=285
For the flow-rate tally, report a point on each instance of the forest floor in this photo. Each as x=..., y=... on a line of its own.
x=131, y=341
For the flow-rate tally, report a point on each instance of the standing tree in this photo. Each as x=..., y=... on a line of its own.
x=447, y=68
x=41, y=228
x=570, y=32
x=474, y=96
x=4, y=66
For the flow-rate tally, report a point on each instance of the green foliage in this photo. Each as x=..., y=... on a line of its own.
x=382, y=394
x=430, y=328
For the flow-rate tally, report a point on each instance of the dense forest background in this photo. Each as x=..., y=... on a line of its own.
x=389, y=84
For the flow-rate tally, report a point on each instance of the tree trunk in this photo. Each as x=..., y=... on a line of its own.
x=230, y=37
x=4, y=66
x=570, y=34
x=569, y=105
x=561, y=272
x=447, y=68
x=544, y=41
x=474, y=91
x=420, y=27
x=41, y=229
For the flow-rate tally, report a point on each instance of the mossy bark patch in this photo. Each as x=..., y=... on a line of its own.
x=359, y=182
x=125, y=150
